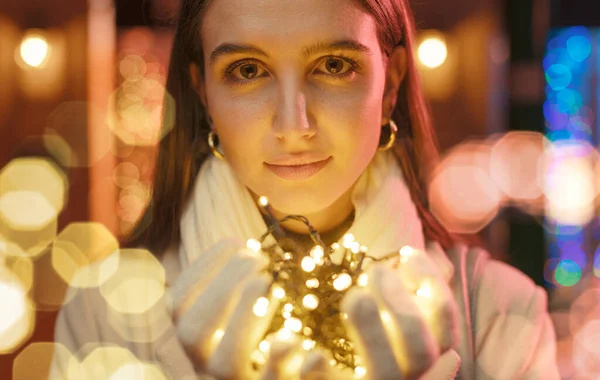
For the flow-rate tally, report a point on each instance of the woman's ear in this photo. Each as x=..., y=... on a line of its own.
x=396, y=71
x=198, y=83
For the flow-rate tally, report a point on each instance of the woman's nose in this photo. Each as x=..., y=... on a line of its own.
x=291, y=121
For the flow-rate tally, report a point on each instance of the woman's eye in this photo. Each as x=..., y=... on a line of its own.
x=338, y=67
x=243, y=71
x=248, y=71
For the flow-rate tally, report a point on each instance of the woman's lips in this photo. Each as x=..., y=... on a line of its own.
x=298, y=172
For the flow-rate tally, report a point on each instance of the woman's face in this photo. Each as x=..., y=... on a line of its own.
x=294, y=77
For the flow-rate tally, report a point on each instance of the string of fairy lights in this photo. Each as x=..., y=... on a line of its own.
x=309, y=288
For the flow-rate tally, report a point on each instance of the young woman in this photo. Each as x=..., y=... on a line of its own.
x=315, y=105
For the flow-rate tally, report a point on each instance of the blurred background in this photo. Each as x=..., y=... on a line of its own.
x=514, y=91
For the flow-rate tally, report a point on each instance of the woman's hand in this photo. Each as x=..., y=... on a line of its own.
x=212, y=303
x=404, y=319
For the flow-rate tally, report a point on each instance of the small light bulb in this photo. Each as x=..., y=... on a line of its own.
x=342, y=282
x=307, y=331
x=424, y=291
x=335, y=246
x=312, y=283
x=284, y=334
x=293, y=324
x=308, y=344
x=310, y=301
x=405, y=253
x=286, y=314
x=263, y=201
x=362, y=280
x=360, y=372
x=364, y=248
x=385, y=316
x=348, y=240
x=288, y=307
x=287, y=256
x=261, y=306
x=278, y=292
x=355, y=247
x=344, y=316
x=264, y=346
x=317, y=254
x=254, y=245
x=332, y=362
x=217, y=336
x=308, y=264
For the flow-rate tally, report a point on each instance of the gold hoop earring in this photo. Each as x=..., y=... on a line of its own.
x=213, y=146
x=393, y=132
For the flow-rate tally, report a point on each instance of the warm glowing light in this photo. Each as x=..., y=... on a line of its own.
x=13, y=301
x=406, y=252
x=360, y=372
x=308, y=264
x=424, y=291
x=287, y=256
x=308, y=344
x=293, y=324
x=261, y=307
x=312, y=283
x=34, y=50
x=218, y=335
x=317, y=254
x=254, y=245
x=288, y=307
x=284, y=334
x=355, y=247
x=278, y=292
x=385, y=316
x=263, y=201
x=433, y=52
x=342, y=282
x=136, y=285
x=570, y=189
x=264, y=346
x=348, y=240
x=362, y=280
x=310, y=301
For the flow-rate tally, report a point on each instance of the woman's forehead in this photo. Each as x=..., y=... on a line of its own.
x=286, y=22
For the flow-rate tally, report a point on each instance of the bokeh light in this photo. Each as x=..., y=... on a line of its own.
x=141, y=111
x=34, y=49
x=78, y=246
x=35, y=362
x=17, y=317
x=35, y=180
x=432, y=52
x=516, y=165
x=570, y=190
x=567, y=273
x=137, y=285
x=463, y=196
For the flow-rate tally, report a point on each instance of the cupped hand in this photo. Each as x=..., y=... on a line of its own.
x=213, y=308
x=404, y=319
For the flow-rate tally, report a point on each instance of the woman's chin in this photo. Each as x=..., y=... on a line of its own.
x=300, y=206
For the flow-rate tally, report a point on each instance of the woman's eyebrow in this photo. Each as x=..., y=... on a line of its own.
x=225, y=49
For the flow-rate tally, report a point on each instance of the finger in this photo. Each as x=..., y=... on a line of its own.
x=366, y=329
x=424, y=278
x=316, y=366
x=416, y=347
x=285, y=360
x=199, y=274
x=244, y=332
x=197, y=327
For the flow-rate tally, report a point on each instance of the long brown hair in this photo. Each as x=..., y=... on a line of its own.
x=184, y=148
